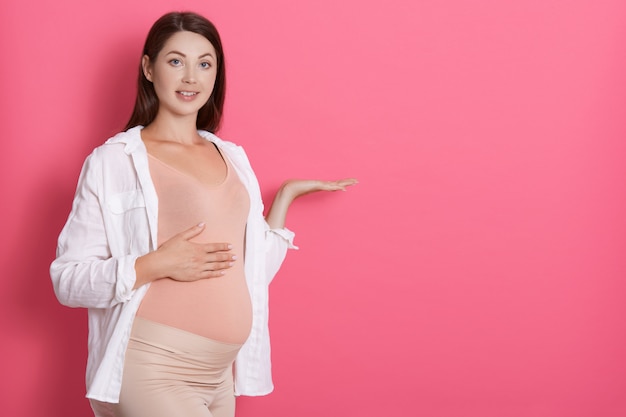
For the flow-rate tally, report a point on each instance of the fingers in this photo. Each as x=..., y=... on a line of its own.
x=218, y=260
x=212, y=274
x=216, y=257
x=218, y=267
x=192, y=232
x=200, y=261
x=215, y=264
x=216, y=247
x=339, y=184
x=297, y=188
x=346, y=182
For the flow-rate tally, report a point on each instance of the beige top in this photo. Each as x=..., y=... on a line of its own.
x=216, y=308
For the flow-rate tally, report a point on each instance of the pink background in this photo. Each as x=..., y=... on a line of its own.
x=477, y=270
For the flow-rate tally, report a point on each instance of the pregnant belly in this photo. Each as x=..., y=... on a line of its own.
x=216, y=308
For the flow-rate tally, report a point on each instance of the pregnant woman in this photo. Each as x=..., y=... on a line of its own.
x=167, y=245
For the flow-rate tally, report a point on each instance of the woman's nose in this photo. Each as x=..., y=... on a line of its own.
x=189, y=76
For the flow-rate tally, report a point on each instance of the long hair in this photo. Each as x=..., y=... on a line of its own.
x=147, y=102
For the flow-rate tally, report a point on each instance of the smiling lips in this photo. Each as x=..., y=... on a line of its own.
x=187, y=95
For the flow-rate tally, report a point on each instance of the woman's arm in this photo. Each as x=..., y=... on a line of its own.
x=84, y=273
x=292, y=189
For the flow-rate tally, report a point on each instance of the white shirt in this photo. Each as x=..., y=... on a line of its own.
x=114, y=221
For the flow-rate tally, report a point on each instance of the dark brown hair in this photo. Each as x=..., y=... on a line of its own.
x=147, y=102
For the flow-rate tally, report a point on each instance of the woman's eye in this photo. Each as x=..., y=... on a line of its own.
x=175, y=62
x=205, y=65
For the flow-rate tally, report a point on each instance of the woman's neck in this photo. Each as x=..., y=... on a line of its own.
x=179, y=130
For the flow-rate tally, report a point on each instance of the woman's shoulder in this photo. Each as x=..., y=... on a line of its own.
x=130, y=137
x=120, y=145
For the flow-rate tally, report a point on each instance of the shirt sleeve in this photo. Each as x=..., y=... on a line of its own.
x=277, y=241
x=84, y=273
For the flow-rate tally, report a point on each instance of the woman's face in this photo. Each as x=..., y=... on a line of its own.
x=183, y=74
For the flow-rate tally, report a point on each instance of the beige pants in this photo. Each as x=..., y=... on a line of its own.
x=169, y=372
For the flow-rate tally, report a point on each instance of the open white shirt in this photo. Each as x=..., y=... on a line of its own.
x=113, y=221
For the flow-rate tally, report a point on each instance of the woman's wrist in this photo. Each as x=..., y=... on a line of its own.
x=146, y=269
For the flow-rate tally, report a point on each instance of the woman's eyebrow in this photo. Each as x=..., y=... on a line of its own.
x=185, y=56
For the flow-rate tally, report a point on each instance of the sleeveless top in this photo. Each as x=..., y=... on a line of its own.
x=216, y=308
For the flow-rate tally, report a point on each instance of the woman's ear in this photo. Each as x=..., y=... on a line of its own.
x=147, y=68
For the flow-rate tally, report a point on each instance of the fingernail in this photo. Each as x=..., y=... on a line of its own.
x=201, y=224
x=231, y=263
x=233, y=257
x=230, y=246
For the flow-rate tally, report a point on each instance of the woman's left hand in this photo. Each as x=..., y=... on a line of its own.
x=295, y=188
x=292, y=189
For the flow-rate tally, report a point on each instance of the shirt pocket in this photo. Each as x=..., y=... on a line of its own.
x=126, y=223
x=123, y=202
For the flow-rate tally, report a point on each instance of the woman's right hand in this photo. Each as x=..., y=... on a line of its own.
x=182, y=260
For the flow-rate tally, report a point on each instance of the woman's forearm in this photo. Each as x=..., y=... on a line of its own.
x=277, y=214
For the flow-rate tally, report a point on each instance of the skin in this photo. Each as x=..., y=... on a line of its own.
x=183, y=75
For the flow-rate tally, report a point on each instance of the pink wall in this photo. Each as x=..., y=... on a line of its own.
x=478, y=268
